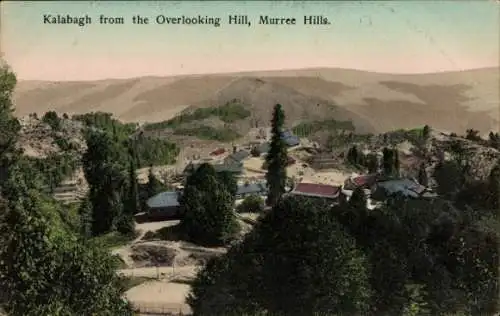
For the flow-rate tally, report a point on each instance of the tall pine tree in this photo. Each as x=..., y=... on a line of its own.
x=154, y=185
x=126, y=224
x=388, y=161
x=396, y=171
x=422, y=175
x=85, y=213
x=276, y=159
x=106, y=179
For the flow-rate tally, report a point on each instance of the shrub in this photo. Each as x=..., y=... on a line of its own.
x=252, y=203
x=52, y=120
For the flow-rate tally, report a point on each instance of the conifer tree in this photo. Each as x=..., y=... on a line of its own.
x=494, y=187
x=426, y=132
x=388, y=161
x=126, y=224
x=277, y=158
x=106, y=179
x=207, y=207
x=396, y=171
x=154, y=186
x=422, y=175
x=353, y=155
x=85, y=213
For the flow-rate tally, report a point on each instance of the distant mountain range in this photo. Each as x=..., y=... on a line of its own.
x=374, y=102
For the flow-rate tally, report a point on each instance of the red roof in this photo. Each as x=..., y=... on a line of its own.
x=321, y=190
x=218, y=151
x=365, y=180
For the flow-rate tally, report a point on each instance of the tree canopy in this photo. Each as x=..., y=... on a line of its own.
x=298, y=261
x=45, y=267
x=207, y=207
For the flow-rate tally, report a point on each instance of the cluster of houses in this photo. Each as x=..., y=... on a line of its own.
x=233, y=163
x=166, y=204
x=375, y=186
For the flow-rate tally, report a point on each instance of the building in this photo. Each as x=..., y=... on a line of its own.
x=317, y=190
x=164, y=205
x=263, y=148
x=290, y=139
x=233, y=167
x=238, y=156
x=364, y=182
x=257, y=188
x=406, y=187
x=218, y=151
x=227, y=166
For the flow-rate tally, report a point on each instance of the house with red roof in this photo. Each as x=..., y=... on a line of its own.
x=316, y=190
x=366, y=181
x=218, y=151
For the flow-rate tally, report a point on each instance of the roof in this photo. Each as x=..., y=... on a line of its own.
x=405, y=186
x=238, y=156
x=251, y=188
x=164, y=199
x=229, y=166
x=286, y=133
x=317, y=190
x=365, y=180
x=218, y=151
x=290, y=139
x=264, y=147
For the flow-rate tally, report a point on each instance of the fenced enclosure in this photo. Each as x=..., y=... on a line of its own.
x=150, y=308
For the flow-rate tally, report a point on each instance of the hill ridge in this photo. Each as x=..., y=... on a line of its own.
x=452, y=101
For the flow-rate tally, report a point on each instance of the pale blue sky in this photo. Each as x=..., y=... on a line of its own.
x=393, y=36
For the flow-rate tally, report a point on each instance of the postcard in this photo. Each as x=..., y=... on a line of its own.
x=260, y=157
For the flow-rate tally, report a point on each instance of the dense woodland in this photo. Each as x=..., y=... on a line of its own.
x=304, y=257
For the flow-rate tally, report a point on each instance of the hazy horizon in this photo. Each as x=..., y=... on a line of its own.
x=394, y=37
x=232, y=73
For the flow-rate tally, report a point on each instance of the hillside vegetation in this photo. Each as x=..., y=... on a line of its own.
x=190, y=122
x=149, y=151
x=307, y=129
x=228, y=113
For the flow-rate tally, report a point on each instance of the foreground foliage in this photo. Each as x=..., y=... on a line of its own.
x=46, y=267
x=298, y=261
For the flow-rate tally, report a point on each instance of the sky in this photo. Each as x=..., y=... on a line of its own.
x=392, y=37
